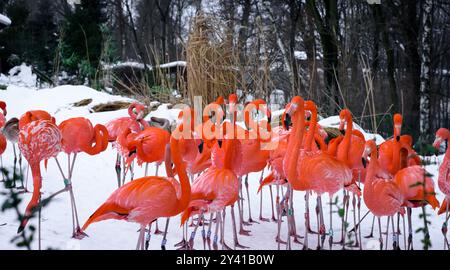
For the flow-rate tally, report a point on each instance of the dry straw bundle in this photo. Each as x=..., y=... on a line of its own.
x=210, y=61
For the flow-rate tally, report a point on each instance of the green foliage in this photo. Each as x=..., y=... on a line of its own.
x=12, y=202
x=82, y=45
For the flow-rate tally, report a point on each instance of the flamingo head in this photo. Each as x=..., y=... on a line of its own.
x=220, y=100
x=369, y=148
x=343, y=115
x=232, y=102
x=137, y=111
x=398, y=120
x=441, y=135
x=310, y=108
x=3, y=107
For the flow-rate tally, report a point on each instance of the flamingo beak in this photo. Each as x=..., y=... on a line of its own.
x=437, y=142
x=200, y=147
x=287, y=121
x=219, y=142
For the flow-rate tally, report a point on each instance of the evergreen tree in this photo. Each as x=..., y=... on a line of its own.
x=83, y=38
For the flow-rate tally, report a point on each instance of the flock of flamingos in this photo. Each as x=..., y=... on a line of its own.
x=213, y=166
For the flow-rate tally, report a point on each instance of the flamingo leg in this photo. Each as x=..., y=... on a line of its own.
x=216, y=233
x=250, y=219
x=146, y=169
x=279, y=219
x=387, y=232
x=381, y=237
x=291, y=215
x=444, y=226
x=157, y=231
x=404, y=232
x=322, y=223
x=118, y=169
x=410, y=235
x=222, y=239
x=3, y=173
x=132, y=171
x=330, y=240
x=235, y=237
x=20, y=169
x=261, y=199
x=14, y=169
x=272, y=204
x=354, y=221
x=39, y=225
x=242, y=231
x=194, y=232
x=141, y=238
x=208, y=234
x=148, y=236
x=395, y=244
x=371, y=231
x=183, y=243
x=307, y=214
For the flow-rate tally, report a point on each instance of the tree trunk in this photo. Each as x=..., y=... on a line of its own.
x=425, y=73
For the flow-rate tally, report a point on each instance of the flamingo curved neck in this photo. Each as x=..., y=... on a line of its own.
x=312, y=129
x=294, y=142
x=180, y=168
x=347, y=138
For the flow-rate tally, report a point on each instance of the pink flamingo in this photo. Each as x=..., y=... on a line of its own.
x=148, y=198
x=39, y=140
x=78, y=134
x=382, y=196
x=442, y=135
x=135, y=122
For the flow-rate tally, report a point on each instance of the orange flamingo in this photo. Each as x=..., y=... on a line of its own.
x=417, y=190
x=320, y=172
x=78, y=134
x=39, y=140
x=442, y=135
x=135, y=122
x=146, y=199
x=382, y=196
x=390, y=149
x=215, y=189
x=349, y=151
x=35, y=115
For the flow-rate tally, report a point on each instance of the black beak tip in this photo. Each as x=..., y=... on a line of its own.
x=364, y=162
x=200, y=147
x=397, y=138
x=220, y=143
x=20, y=229
x=342, y=131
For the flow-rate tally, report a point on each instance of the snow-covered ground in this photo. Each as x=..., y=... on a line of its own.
x=94, y=180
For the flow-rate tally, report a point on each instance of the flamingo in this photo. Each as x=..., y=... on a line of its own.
x=442, y=135
x=78, y=134
x=390, y=149
x=2, y=137
x=149, y=145
x=217, y=188
x=323, y=172
x=34, y=115
x=135, y=122
x=382, y=196
x=349, y=149
x=39, y=140
x=11, y=132
x=148, y=198
x=417, y=190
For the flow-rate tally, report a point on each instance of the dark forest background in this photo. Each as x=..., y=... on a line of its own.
x=376, y=59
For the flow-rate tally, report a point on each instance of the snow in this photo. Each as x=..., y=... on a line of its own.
x=333, y=121
x=141, y=65
x=94, y=180
x=20, y=75
x=4, y=20
x=300, y=55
